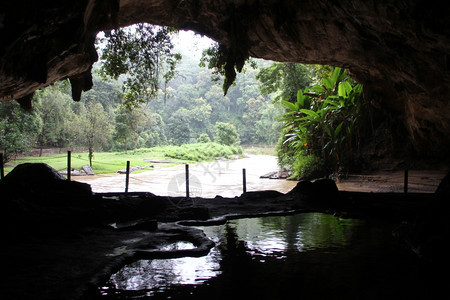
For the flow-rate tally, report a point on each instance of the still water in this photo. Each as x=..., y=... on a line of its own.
x=306, y=256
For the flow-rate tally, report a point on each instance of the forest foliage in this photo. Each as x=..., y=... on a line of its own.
x=321, y=127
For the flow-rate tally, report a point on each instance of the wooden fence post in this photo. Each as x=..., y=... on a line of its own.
x=2, y=171
x=127, y=177
x=69, y=165
x=244, y=181
x=405, y=182
x=187, y=181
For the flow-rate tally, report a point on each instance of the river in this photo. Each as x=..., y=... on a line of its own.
x=208, y=179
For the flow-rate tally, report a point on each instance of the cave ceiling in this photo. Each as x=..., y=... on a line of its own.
x=399, y=50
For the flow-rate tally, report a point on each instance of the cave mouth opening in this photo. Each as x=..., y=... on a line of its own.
x=381, y=145
x=382, y=133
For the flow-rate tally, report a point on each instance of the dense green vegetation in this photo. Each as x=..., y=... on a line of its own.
x=320, y=131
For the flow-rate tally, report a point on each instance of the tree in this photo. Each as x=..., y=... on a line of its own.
x=130, y=124
x=220, y=104
x=226, y=134
x=105, y=91
x=155, y=131
x=284, y=79
x=142, y=52
x=92, y=128
x=18, y=129
x=179, y=127
x=267, y=128
x=203, y=138
x=53, y=107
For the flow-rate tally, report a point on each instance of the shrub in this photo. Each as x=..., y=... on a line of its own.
x=203, y=138
x=201, y=151
x=308, y=167
x=226, y=134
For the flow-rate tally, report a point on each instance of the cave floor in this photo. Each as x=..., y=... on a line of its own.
x=419, y=181
x=60, y=262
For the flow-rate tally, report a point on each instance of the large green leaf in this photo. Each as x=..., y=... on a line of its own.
x=338, y=129
x=335, y=77
x=289, y=105
x=344, y=89
x=300, y=98
x=310, y=113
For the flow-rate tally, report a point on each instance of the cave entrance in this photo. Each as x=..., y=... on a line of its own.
x=327, y=127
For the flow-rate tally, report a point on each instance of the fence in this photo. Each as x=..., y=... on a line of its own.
x=187, y=176
x=186, y=182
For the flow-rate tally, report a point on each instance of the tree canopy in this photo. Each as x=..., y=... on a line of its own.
x=143, y=54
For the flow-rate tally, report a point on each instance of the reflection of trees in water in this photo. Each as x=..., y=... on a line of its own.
x=310, y=230
x=236, y=262
x=306, y=239
x=233, y=249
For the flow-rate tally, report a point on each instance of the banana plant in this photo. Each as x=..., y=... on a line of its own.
x=323, y=119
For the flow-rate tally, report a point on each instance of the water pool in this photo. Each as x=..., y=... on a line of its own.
x=304, y=256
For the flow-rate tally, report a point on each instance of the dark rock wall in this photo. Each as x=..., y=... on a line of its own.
x=398, y=49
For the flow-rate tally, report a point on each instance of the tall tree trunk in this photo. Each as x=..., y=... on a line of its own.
x=91, y=155
x=136, y=140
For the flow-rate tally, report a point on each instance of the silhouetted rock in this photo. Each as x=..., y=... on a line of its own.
x=325, y=189
x=429, y=233
x=305, y=187
x=321, y=189
x=443, y=190
x=36, y=198
x=41, y=178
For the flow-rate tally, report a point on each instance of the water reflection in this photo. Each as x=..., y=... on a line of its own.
x=277, y=236
x=160, y=274
x=237, y=244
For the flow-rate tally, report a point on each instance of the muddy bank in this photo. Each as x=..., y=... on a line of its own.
x=62, y=239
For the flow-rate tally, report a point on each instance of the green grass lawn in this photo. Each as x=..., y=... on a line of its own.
x=260, y=150
x=111, y=162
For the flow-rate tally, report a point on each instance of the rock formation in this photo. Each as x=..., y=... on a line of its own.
x=399, y=50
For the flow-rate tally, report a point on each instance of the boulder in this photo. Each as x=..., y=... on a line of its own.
x=40, y=178
x=325, y=189
x=322, y=189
